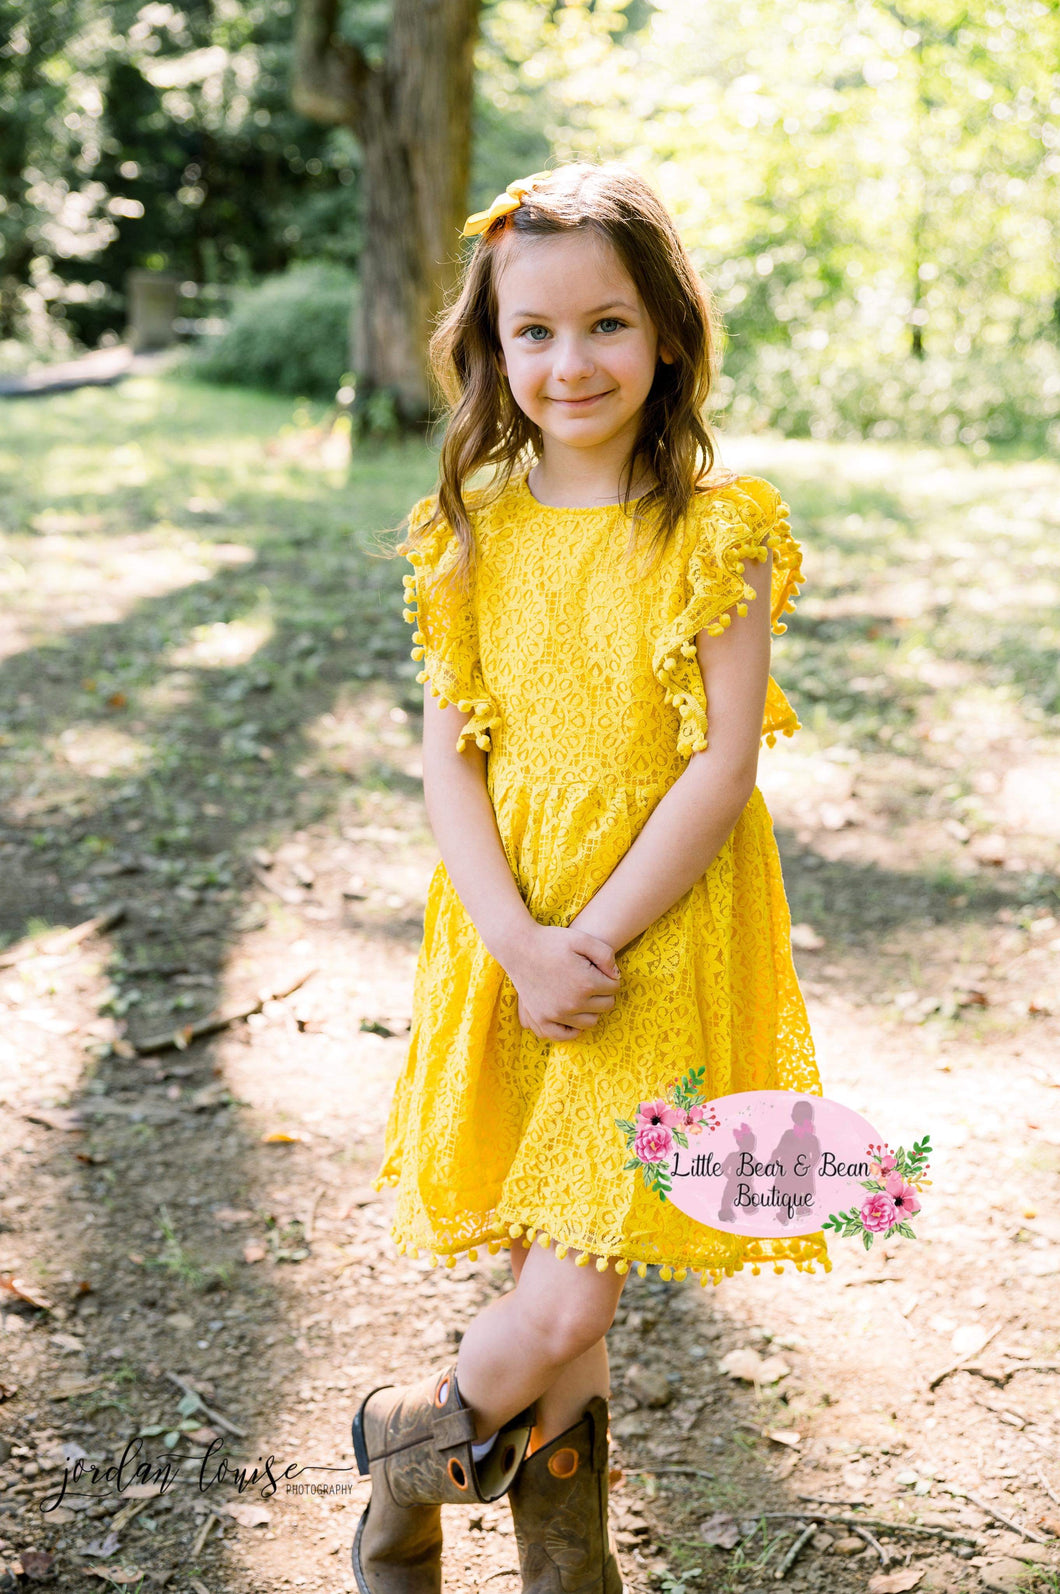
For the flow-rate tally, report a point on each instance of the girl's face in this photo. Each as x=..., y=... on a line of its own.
x=577, y=345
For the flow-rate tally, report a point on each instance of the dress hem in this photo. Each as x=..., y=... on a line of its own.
x=803, y=1251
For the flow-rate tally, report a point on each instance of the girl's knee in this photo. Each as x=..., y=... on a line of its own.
x=568, y=1308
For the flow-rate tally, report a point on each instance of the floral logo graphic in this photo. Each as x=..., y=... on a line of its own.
x=896, y=1179
x=664, y=1123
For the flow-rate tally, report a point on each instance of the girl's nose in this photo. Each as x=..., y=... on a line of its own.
x=572, y=361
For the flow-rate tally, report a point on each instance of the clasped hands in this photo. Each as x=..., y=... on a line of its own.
x=565, y=978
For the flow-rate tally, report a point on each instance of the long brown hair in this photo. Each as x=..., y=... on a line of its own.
x=487, y=427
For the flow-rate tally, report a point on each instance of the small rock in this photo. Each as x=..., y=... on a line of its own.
x=632, y=1427
x=746, y=1364
x=647, y=1387
x=822, y=1541
x=1015, y=1549
x=1005, y=1576
x=848, y=1546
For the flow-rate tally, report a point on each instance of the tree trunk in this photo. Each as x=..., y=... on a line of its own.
x=412, y=118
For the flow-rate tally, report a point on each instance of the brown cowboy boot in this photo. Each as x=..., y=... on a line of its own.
x=415, y=1441
x=559, y=1503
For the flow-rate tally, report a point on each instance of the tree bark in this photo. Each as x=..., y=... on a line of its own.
x=412, y=118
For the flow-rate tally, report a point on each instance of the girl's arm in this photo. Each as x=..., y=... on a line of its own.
x=465, y=827
x=692, y=821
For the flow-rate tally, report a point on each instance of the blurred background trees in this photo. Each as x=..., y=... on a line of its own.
x=869, y=186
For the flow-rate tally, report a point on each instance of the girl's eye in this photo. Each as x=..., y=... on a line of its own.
x=614, y=320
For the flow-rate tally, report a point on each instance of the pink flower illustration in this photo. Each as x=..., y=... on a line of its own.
x=903, y=1195
x=653, y=1143
x=882, y=1166
x=659, y=1112
x=878, y=1214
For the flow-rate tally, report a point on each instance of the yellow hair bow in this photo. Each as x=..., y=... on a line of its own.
x=502, y=205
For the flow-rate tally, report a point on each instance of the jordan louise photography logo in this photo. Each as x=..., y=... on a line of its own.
x=763, y=1163
x=138, y=1476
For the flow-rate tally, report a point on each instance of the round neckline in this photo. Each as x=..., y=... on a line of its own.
x=566, y=509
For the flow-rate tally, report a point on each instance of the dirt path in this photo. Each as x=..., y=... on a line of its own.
x=172, y=1237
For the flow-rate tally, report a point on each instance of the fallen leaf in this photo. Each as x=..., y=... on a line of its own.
x=247, y=1514
x=105, y=1546
x=896, y=1582
x=116, y=1574
x=68, y=1342
x=773, y=1369
x=226, y=1216
x=67, y=1388
x=720, y=1530
x=36, y=1564
x=24, y=1292
x=279, y=1138
x=744, y=1363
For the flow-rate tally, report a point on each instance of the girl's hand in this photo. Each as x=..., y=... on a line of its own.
x=565, y=979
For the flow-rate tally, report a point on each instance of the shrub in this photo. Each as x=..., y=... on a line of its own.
x=288, y=334
x=837, y=393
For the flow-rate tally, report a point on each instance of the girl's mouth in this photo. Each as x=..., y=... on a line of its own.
x=577, y=404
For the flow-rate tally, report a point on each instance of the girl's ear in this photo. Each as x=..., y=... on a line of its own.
x=665, y=355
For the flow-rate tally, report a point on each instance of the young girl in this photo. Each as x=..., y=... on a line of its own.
x=609, y=912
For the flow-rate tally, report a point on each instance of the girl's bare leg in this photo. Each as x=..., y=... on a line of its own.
x=564, y=1401
x=546, y=1335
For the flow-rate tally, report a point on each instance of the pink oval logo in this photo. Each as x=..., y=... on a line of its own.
x=773, y=1163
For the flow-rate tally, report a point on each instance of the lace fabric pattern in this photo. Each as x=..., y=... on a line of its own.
x=584, y=686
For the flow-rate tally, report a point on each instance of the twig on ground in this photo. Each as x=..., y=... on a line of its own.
x=819, y=1499
x=959, y=1363
x=203, y=1534
x=992, y=1511
x=59, y=940
x=789, y=1560
x=310, y=1217
x=127, y=1512
x=1041, y=1479
x=183, y=1038
x=215, y=1417
x=864, y=1533
x=917, y=1528
x=691, y=1472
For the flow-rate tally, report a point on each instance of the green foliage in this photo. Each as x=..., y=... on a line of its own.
x=848, y=392
x=290, y=334
x=869, y=189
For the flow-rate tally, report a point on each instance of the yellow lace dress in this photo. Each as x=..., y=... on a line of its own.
x=585, y=687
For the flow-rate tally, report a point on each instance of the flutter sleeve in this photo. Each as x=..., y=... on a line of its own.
x=740, y=522
x=446, y=634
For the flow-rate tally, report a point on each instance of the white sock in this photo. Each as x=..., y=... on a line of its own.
x=484, y=1445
